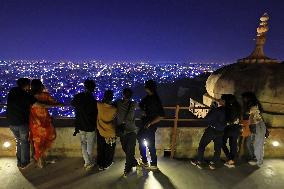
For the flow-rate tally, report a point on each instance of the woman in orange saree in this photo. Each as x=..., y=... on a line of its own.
x=42, y=132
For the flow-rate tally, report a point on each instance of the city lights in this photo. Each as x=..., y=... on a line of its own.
x=64, y=79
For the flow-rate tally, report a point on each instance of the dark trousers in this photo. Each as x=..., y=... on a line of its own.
x=105, y=152
x=147, y=135
x=232, y=132
x=209, y=135
x=128, y=143
x=21, y=134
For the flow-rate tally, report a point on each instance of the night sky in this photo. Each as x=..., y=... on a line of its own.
x=153, y=30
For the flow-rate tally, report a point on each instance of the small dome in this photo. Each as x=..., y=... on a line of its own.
x=265, y=80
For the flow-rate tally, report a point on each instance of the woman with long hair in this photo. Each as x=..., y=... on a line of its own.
x=257, y=127
x=106, y=136
x=42, y=132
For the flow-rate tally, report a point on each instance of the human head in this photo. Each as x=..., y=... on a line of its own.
x=89, y=85
x=150, y=86
x=108, y=96
x=229, y=99
x=232, y=106
x=24, y=83
x=37, y=86
x=127, y=93
x=250, y=99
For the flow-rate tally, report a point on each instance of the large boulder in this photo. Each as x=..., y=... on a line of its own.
x=266, y=80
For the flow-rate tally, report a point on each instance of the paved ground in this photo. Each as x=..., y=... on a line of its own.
x=174, y=174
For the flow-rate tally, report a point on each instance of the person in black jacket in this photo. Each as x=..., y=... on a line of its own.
x=86, y=121
x=232, y=130
x=18, y=110
x=153, y=112
x=216, y=119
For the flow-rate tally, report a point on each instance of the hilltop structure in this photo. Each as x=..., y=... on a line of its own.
x=256, y=73
x=258, y=56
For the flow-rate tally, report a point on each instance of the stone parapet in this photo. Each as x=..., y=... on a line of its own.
x=186, y=143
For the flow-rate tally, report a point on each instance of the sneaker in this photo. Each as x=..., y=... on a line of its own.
x=252, y=162
x=212, y=165
x=153, y=168
x=40, y=163
x=101, y=169
x=259, y=164
x=230, y=164
x=89, y=167
x=108, y=166
x=143, y=165
x=25, y=167
x=196, y=163
x=124, y=175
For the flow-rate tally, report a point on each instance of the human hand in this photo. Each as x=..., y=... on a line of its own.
x=147, y=125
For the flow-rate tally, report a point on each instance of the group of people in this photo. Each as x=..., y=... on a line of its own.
x=228, y=121
x=106, y=121
x=109, y=120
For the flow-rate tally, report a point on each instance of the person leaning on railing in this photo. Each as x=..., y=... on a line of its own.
x=153, y=112
x=216, y=119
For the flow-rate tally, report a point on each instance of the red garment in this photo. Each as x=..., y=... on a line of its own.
x=42, y=132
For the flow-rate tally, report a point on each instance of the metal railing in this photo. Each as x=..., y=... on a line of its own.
x=175, y=119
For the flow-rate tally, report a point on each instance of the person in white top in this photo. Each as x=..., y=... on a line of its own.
x=257, y=127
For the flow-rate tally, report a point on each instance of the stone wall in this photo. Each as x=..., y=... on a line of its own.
x=186, y=144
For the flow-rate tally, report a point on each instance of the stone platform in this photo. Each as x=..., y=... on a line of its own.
x=187, y=142
x=173, y=174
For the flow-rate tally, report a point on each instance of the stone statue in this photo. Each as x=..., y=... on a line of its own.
x=258, y=56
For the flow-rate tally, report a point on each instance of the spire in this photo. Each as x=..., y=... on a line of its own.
x=258, y=56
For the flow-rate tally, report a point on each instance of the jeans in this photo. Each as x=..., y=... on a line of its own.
x=209, y=135
x=232, y=133
x=21, y=133
x=105, y=152
x=128, y=143
x=249, y=142
x=259, y=142
x=87, y=145
x=149, y=136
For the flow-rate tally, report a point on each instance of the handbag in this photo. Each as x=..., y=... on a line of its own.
x=120, y=128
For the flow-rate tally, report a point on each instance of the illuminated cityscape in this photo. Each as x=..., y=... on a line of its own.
x=64, y=79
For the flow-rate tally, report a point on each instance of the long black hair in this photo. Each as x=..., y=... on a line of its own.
x=36, y=86
x=250, y=100
x=232, y=108
x=108, y=97
x=151, y=85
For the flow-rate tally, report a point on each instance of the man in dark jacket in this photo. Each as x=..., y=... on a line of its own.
x=19, y=103
x=216, y=120
x=153, y=113
x=86, y=121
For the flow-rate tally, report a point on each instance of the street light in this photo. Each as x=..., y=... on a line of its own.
x=275, y=143
x=6, y=144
